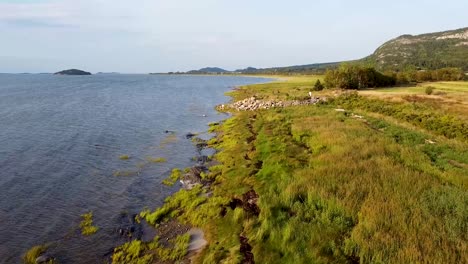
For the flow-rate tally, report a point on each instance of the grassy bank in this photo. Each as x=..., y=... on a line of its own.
x=309, y=184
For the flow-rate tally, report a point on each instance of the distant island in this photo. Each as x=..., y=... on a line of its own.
x=316, y=68
x=72, y=72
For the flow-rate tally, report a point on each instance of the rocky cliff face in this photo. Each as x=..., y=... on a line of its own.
x=427, y=51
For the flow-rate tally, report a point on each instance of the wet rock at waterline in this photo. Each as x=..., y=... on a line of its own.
x=45, y=258
x=129, y=228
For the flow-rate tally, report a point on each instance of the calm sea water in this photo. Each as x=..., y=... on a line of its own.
x=60, y=142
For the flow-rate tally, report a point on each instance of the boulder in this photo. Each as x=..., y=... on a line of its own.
x=44, y=258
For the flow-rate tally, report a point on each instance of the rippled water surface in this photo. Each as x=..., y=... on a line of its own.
x=60, y=142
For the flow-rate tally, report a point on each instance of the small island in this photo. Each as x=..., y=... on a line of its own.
x=72, y=72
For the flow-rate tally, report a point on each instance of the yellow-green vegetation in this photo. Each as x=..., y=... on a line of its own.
x=132, y=253
x=124, y=157
x=156, y=160
x=383, y=181
x=86, y=225
x=417, y=113
x=447, y=97
x=287, y=88
x=175, y=175
x=35, y=252
x=188, y=206
x=178, y=248
x=138, y=252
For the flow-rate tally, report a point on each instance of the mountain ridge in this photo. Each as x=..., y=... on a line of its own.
x=424, y=51
x=428, y=51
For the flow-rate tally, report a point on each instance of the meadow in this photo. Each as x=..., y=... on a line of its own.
x=381, y=180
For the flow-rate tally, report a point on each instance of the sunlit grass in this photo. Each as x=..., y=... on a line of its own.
x=173, y=178
x=450, y=97
x=287, y=88
x=335, y=189
x=383, y=187
x=139, y=252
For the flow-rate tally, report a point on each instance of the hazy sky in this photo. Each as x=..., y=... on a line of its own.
x=171, y=35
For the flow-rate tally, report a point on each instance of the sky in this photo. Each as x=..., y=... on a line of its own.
x=143, y=36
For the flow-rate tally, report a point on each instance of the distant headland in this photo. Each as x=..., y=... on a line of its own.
x=72, y=72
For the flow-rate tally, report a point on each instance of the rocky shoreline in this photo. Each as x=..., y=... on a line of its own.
x=253, y=103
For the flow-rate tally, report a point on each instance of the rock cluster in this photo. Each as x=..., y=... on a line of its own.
x=252, y=103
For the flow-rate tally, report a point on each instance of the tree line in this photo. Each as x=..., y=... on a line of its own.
x=348, y=76
x=443, y=74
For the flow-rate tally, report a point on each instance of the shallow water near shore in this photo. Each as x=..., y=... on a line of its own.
x=60, y=142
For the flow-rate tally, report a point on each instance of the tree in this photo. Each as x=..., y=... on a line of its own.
x=318, y=86
x=349, y=76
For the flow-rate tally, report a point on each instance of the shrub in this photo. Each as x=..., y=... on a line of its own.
x=429, y=90
x=318, y=86
x=357, y=77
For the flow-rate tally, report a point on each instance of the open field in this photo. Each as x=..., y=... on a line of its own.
x=384, y=180
x=450, y=97
x=334, y=187
x=286, y=87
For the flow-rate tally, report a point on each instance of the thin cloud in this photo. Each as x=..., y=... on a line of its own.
x=32, y=11
x=34, y=23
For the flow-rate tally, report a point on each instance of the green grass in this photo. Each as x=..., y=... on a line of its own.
x=333, y=188
x=173, y=178
x=138, y=252
x=86, y=225
x=286, y=88
x=132, y=253
x=447, y=97
x=418, y=114
x=337, y=189
x=449, y=87
x=177, y=251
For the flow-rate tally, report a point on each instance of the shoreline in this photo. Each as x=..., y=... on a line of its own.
x=190, y=181
x=125, y=225
x=278, y=186
x=310, y=178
